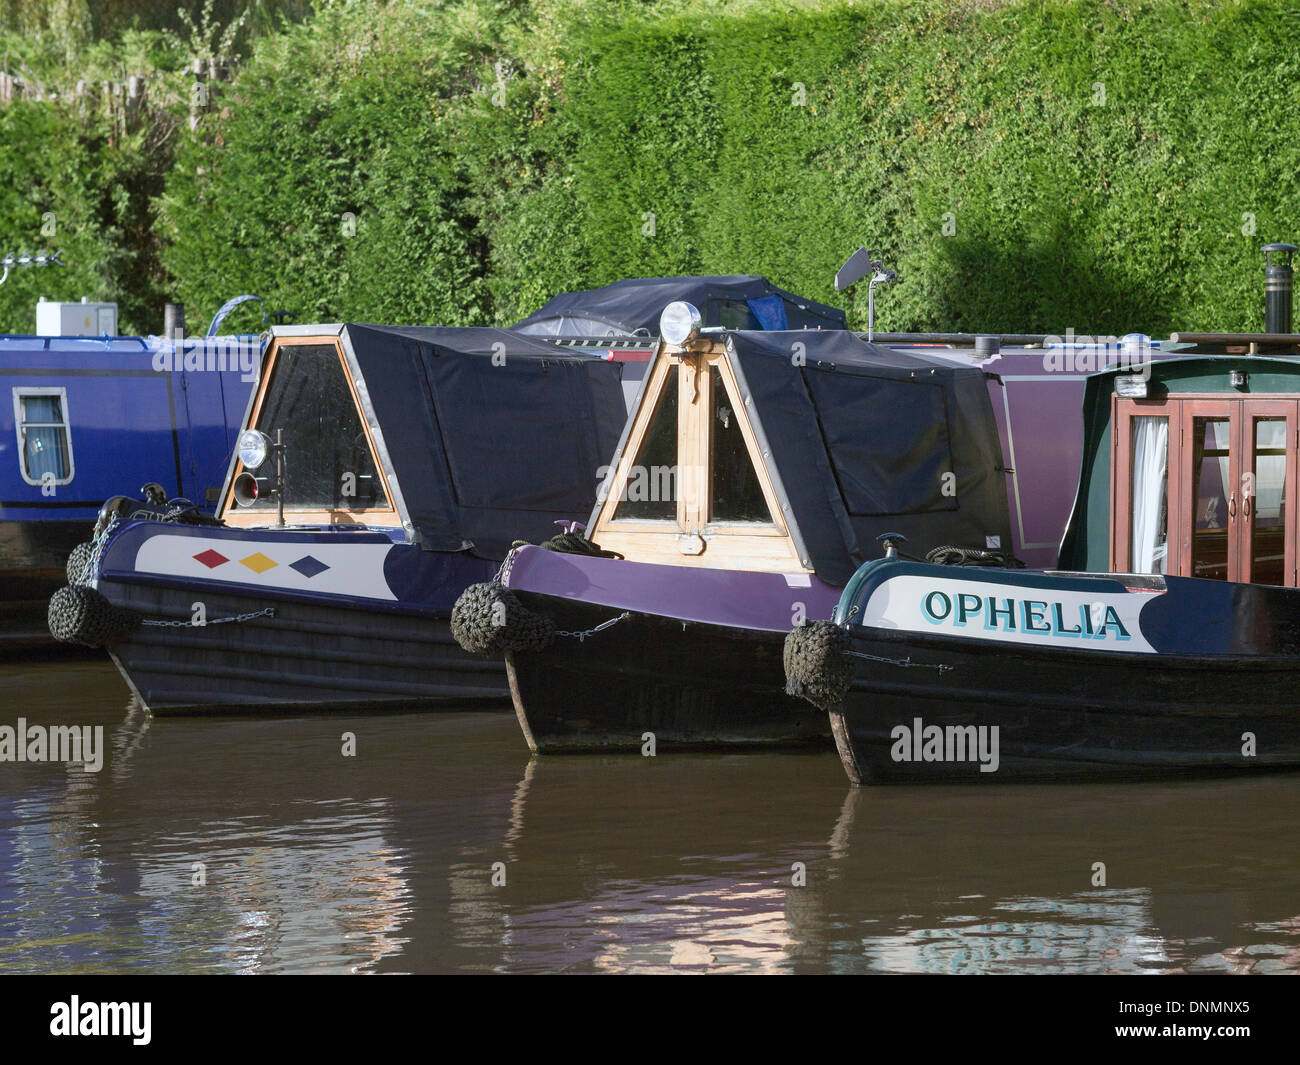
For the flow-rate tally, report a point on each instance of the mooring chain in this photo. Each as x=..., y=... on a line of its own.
x=599, y=628
x=268, y=612
x=906, y=663
x=503, y=574
x=91, y=567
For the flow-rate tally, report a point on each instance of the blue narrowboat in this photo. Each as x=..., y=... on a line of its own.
x=86, y=416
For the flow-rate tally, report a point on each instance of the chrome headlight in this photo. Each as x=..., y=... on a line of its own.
x=253, y=448
x=679, y=323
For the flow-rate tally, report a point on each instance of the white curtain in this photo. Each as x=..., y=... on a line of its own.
x=45, y=447
x=1150, y=461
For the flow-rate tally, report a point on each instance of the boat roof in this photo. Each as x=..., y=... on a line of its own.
x=485, y=435
x=862, y=437
x=23, y=342
x=633, y=306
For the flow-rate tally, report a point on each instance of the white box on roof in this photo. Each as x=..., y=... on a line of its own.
x=84, y=319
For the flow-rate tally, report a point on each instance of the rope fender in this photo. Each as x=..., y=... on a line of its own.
x=489, y=619
x=76, y=567
x=816, y=665
x=80, y=614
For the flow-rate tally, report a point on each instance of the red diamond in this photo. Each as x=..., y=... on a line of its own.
x=211, y=559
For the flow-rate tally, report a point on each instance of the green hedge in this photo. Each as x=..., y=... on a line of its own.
x=1068, y=211
x=494, y=153
x=47, y=198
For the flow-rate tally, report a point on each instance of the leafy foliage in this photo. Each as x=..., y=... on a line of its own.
x=1106, y=165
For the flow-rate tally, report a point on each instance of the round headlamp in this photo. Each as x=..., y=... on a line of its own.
x=253, y=448
x=680, y=323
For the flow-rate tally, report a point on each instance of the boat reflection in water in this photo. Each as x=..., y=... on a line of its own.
x=226, y=846
x=906, y=880
x=385, y=861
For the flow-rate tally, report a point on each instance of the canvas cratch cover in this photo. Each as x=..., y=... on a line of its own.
x=489, y=436
x=632, y=307
x=865, y=440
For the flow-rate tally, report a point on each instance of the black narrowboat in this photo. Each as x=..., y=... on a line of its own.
x=1170, y=640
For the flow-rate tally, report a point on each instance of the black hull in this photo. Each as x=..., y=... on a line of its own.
x=1065, y=714
x=308, y=656
x=693, y=686
x=37, y=551
x=33, y=555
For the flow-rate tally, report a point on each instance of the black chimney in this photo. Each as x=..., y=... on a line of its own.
x=1277, y=288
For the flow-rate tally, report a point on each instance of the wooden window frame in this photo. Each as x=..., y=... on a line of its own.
x=761, y=546
x=1180, y=412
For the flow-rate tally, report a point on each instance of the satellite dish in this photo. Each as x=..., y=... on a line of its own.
x=860, y=264
x=863, y=263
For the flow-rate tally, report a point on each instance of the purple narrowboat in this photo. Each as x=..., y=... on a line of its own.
x=750, y=483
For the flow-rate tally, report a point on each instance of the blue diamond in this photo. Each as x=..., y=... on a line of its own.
x=309, y=566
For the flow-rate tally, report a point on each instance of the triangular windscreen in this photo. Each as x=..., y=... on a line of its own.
x=735, y=493
x=651, y=488
x=327, y=460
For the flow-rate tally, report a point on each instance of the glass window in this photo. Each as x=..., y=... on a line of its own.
x=651, y=488
x=45, y=446
x=1268, y=537
x=327, y=458
x=735, y=314
x=1210, y=438
x=735, y=492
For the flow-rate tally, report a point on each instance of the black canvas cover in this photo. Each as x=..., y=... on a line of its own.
x=491, y=435
x=633, y=306
x=865, y=440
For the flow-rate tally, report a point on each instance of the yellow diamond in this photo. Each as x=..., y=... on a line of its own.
x=259, y=563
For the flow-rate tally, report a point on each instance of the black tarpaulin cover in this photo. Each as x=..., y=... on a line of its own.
x=865, y=440
x=738, y=301
x=491, y=436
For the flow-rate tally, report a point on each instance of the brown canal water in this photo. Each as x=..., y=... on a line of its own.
x=385, y=861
